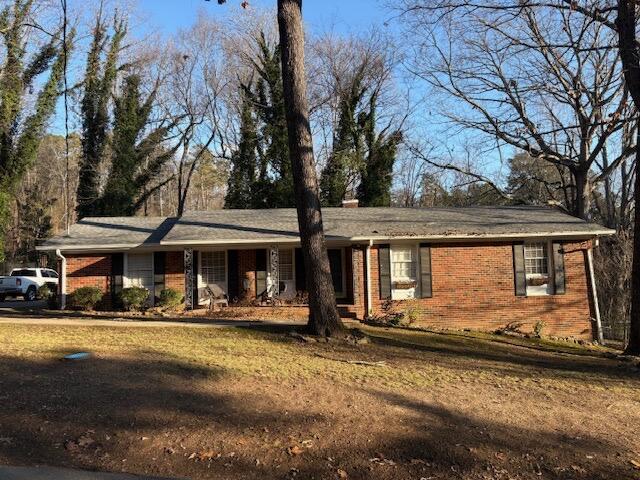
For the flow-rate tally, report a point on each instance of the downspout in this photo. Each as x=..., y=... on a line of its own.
x=63, y=279
x=596, y=306
x=368, y=273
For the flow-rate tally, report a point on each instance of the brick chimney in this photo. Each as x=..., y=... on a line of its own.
x=349, y=203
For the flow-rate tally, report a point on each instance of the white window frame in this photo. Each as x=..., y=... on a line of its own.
x=545, y=289
x=293, y=265
x=126, y=282
x=415, y=265
x=201, y=280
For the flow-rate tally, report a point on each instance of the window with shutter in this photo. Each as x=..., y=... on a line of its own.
x=425, y=271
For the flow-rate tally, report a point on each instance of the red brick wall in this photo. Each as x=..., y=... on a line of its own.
x=174, y=271
x=88, y=271
x=354, y=306
x=473, y=287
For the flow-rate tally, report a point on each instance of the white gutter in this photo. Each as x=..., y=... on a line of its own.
x=368, y=273
x=63, y=279
x=596, y=306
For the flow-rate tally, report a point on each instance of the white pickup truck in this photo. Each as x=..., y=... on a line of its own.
x=24, y=282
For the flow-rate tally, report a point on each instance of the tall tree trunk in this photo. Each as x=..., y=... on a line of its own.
x=630, y=56
x=323, y=312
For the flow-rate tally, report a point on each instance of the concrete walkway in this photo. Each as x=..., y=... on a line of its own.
x=52, y=473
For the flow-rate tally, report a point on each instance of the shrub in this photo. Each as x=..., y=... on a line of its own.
x=170, y=298
x=45, y=292
x=134, y=298
x=85, y=298
x=397, y=313
x=538, y=327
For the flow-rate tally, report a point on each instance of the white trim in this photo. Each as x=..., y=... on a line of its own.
x=126, y=279
x=368, y=273
x=568, y=235
x=550, y=289
x=200, y=283
x=594, y=293
x=63, y=280
x=415, y=260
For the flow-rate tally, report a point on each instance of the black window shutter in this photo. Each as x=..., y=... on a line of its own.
x=558, y=269
x=117, y=271
x=233, y=287
x=384, y=271
x=301, y=279
x=158, y=272
x=335, y=264
x=425, y=271
x=519, y=272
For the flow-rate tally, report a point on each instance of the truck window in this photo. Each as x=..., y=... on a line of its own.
x=24, y=272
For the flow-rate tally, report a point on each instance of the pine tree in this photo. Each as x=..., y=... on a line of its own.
x=274, y=185
x=377, y=174
x=242, y=179
x=99, y=81
x=347, y=155
x=136, y=159
x=21, y=133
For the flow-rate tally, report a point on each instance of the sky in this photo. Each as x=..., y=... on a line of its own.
x=168, y=16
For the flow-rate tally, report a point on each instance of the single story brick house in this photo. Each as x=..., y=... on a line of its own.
x=478, y=267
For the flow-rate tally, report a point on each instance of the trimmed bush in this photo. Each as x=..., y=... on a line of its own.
x=134, y=298
x=85, y=298
x=170, y=298
x=45, y=292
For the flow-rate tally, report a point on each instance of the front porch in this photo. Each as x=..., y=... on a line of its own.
x=273, y=276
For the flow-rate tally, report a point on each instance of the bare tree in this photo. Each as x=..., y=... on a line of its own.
x=541, y=80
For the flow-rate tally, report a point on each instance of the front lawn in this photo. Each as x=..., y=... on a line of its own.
x=245, y=403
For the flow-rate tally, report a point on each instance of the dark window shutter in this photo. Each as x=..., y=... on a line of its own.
x=301, y=279
x=335, y=264
x=519, y=272
x=558, y=269
x=158, y=272
x=384, y=271
x=233, y=275
x=425, y=271
x=117, y=271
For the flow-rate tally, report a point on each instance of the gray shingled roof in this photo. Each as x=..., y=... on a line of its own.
x=355, y=224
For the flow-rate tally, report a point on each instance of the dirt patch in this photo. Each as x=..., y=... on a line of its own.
x=236, y=403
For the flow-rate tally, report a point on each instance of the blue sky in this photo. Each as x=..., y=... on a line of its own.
x=345, y=15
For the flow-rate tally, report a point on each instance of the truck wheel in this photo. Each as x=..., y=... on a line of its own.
x=30, y=296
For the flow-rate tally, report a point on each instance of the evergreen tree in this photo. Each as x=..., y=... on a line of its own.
x=99, y=81
x=377, y=174
x=21, y=133
x=136, y=159
x=274, y=185
x=347, y=155
x=242, y=179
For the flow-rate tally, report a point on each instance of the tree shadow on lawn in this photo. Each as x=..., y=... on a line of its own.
x=46, y=403
x=48, y=406
x=459, y=444
x=533, y=361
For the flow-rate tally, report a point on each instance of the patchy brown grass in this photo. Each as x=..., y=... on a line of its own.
x=251, y=403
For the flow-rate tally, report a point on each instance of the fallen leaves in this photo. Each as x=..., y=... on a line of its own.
x=636, y=464
x=294, y=450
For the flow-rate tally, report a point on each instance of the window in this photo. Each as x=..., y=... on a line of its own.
x=286, y=265
x=403, y=263
x=213, y=267
x=536, y=264
x=24, y=273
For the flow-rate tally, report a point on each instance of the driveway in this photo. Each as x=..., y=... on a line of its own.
x=51, y=473
x=14, y=304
